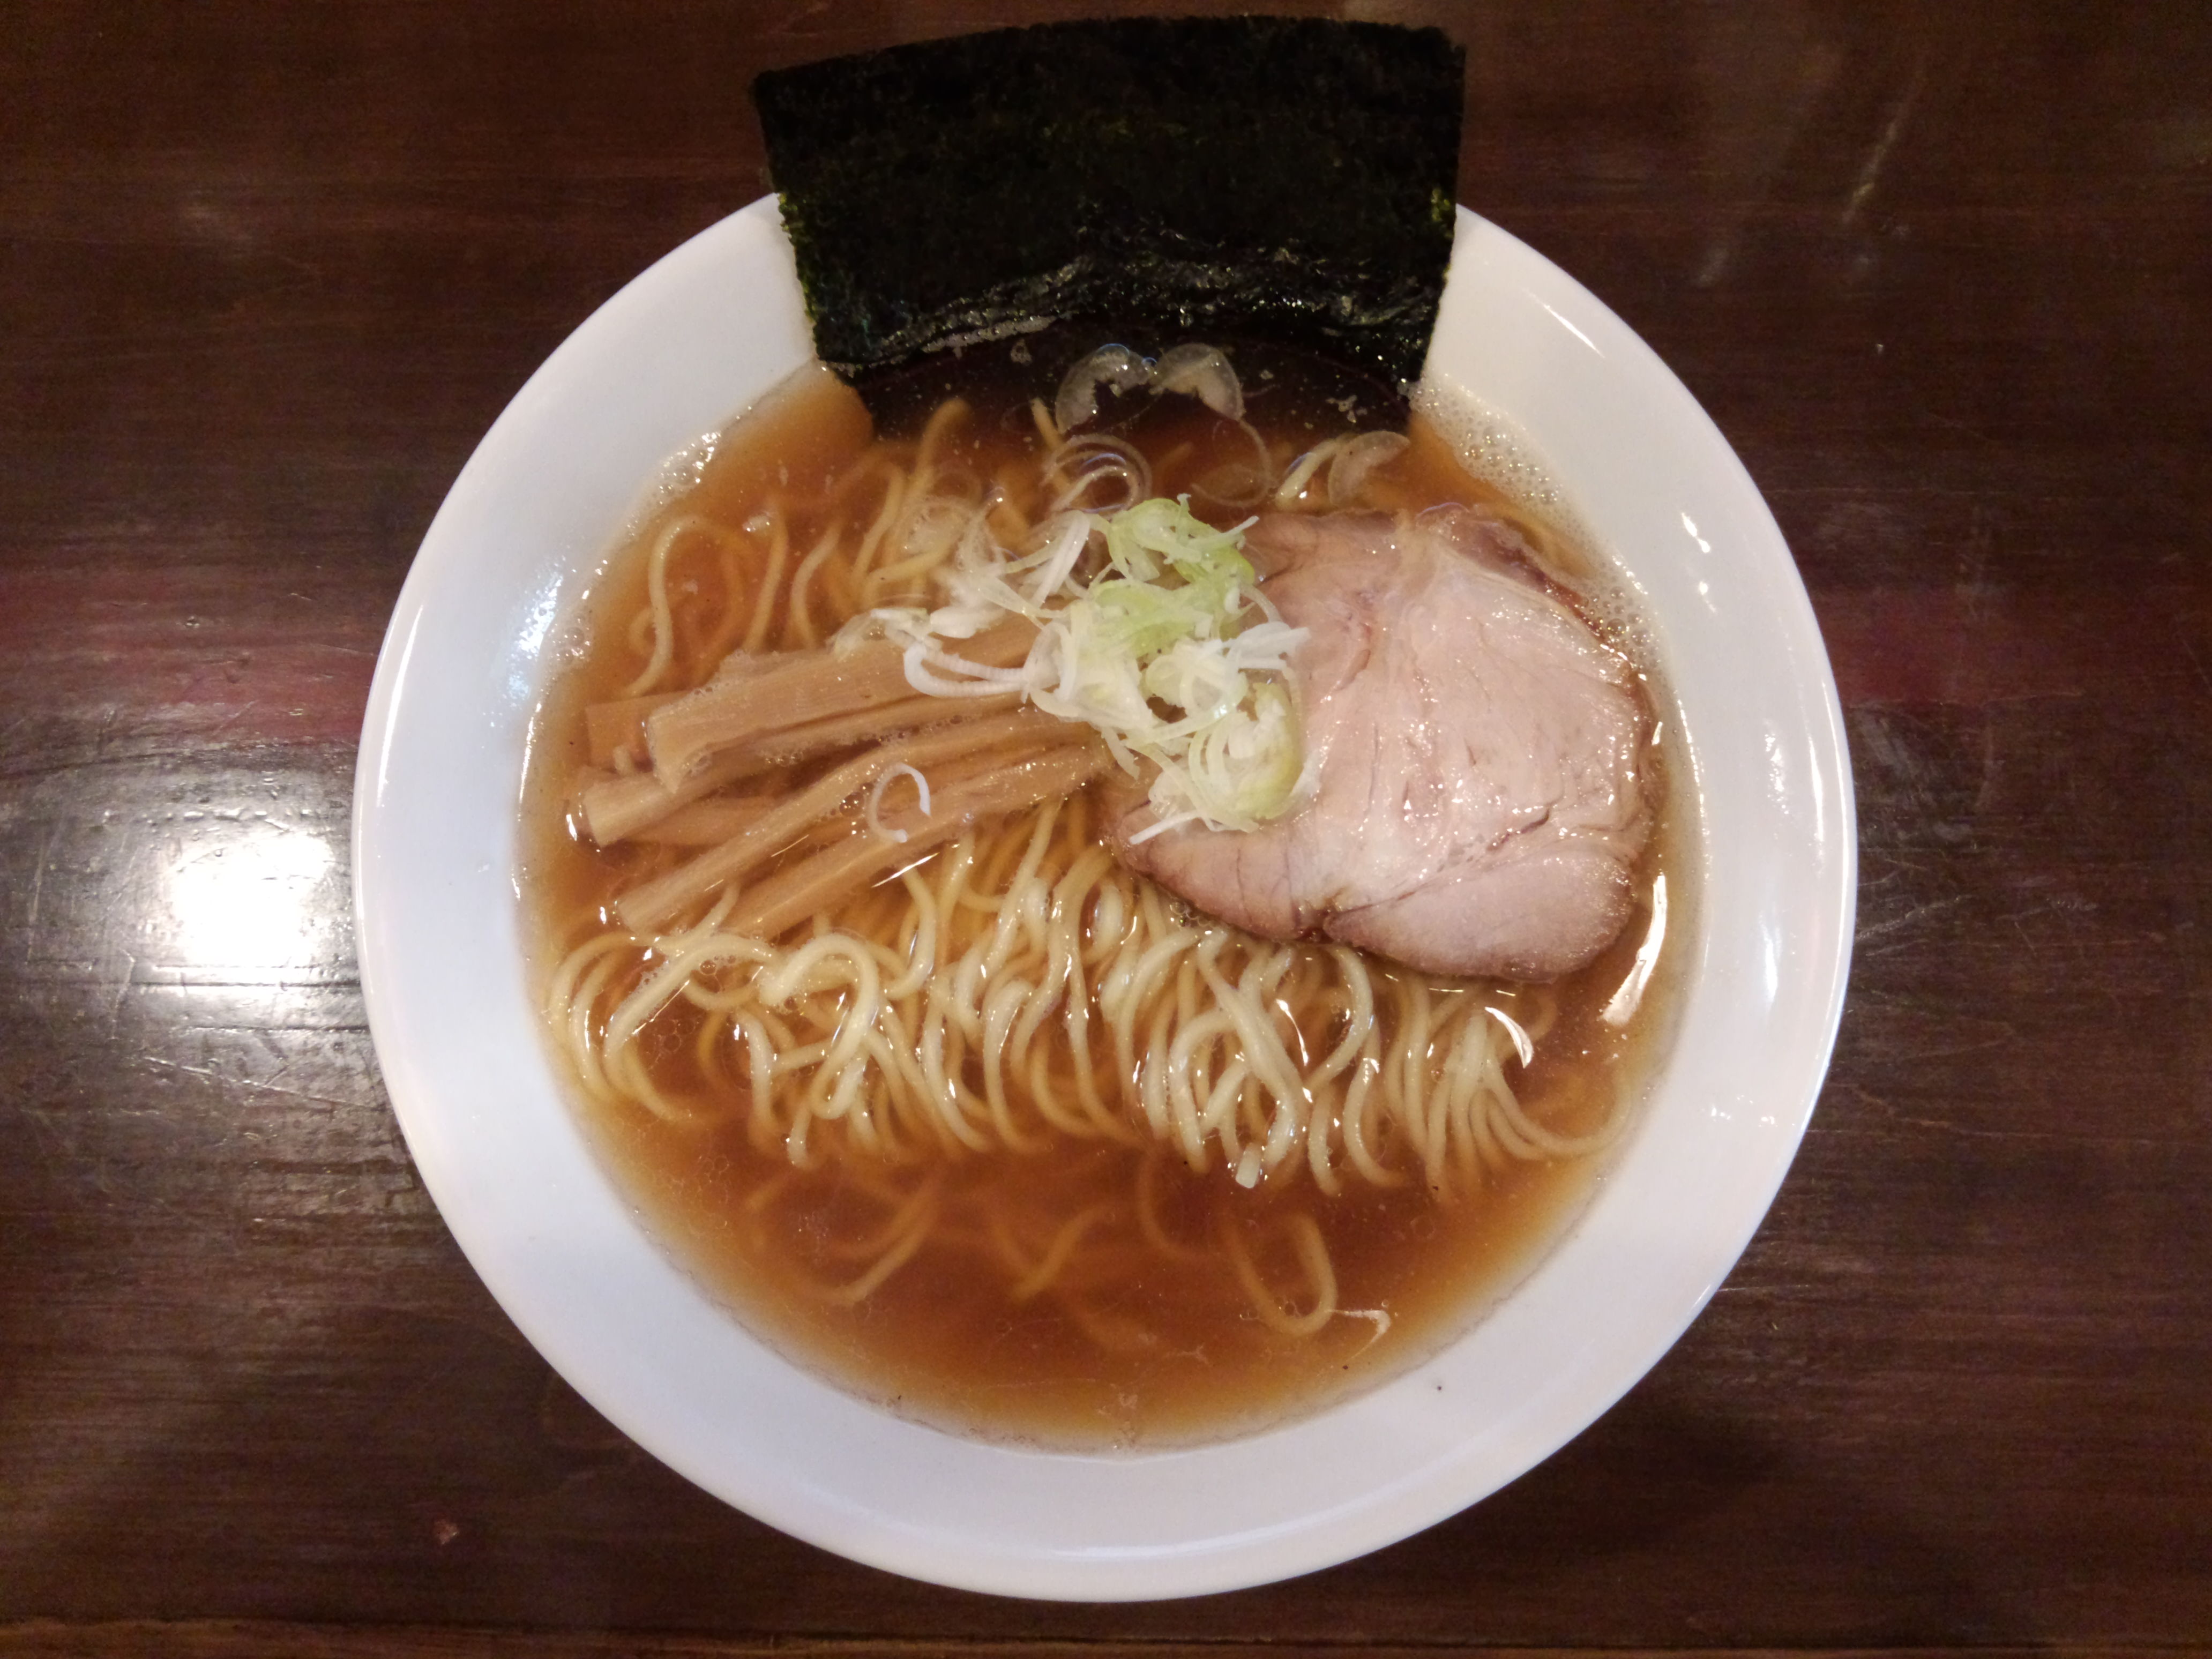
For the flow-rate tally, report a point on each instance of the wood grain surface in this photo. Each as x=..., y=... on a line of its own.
x=1942, y=274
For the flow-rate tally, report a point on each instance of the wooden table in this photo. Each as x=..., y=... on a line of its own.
x=1942, y=274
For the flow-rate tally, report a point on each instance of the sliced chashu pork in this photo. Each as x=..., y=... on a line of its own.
x=1474, y=753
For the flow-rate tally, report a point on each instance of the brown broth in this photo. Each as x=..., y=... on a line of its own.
x=1143, y=1348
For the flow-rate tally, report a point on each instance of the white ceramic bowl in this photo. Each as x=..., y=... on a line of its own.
x=678, y=354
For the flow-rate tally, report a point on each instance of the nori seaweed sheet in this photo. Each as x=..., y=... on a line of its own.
x=1289, y=178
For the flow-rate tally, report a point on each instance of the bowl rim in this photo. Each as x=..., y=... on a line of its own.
x=563, y=1254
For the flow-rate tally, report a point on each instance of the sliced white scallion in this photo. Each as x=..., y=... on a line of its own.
x=1194, y=370
x=1348, y=472
x=1169, y=651
x=1203, y=373
x=1115, y=366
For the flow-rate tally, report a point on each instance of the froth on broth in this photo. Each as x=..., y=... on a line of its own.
x=966, y=1134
